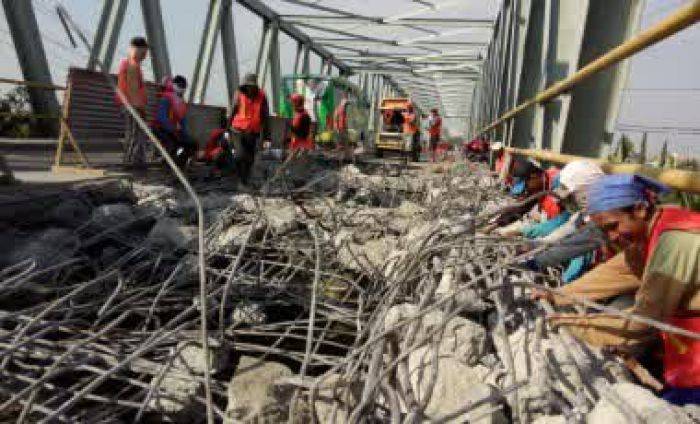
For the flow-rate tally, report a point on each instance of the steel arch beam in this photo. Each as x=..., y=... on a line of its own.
x=207, y=45
x=157, y=42
x=105, y=43
x=228, y=45
x=32, y=60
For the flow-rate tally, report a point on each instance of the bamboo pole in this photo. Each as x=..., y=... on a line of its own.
x=680, y=19
x=687, y=181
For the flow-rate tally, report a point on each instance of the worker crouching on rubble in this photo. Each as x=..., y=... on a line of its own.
x=661, y=260
x=301, y=139
x=218, y=153
x=170, y=123
x=249, y=122
x=574, y=244
x=529, y=181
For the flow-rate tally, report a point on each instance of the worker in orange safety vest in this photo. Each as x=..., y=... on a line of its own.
x=249, y=122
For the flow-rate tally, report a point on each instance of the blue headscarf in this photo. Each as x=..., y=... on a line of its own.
x=620, y=191
x=518, y=187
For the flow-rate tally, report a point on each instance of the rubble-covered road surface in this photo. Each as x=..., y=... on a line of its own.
x=353, y=294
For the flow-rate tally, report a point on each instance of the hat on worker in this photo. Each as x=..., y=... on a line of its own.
x=575, y=176
x=496, y=146
x=618, y=191
x=297, y=99
x=522, y=168
x=250, y=79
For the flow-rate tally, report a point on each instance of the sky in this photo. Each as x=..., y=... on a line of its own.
x=662, y=94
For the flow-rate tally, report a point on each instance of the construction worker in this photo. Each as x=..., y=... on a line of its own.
x=340, y=119
x=249, y=121
x=434, y=130
x=170, y=123
x=301, y=126
x=410, y=132
x=660, y=260
x=218, y=152
x=132, y=86
x=529, y=179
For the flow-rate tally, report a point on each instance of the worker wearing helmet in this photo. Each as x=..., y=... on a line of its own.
x=301, y=126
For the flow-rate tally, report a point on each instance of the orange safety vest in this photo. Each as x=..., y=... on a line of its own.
x=140, y=100
x=409, y=123
x=681, y=354
x=248, y=118
x=436, y=128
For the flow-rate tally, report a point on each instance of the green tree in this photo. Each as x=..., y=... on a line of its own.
x=663, y=157
x=643, y=150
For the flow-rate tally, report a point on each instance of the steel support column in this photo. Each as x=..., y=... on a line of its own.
x=32, y=59
x=158, y=45
x=269, y=62
x=298, y=57
x=210, y=34
x=228, y=46
x=105, y=43
x=306, y=60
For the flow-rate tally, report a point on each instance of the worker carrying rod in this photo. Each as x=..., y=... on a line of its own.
x=250, y=120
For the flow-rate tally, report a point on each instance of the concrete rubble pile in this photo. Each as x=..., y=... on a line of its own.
x=353, y=294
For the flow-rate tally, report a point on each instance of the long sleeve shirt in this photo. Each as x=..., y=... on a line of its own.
x=670, y=283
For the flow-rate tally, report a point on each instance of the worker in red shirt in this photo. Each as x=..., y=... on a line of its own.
x=170, y=123
x=340, y=119
x=301, y=126
x=410, y=132
x=434, y=130
x=249, y=122
x=132, y=86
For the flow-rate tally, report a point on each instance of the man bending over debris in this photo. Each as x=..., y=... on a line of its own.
x=170, y=124
x=662, y=252
x=529, y=179
x=578, y=252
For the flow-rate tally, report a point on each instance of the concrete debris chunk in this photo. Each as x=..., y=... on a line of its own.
x=455, y=386
x=169, y=233
x=627, y=402
x=110, y=215
x=253, y=395
x=50, y=247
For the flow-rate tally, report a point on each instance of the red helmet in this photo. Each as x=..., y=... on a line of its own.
x=297, y=100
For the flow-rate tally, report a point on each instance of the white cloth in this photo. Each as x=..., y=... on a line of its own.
x=579, y=174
